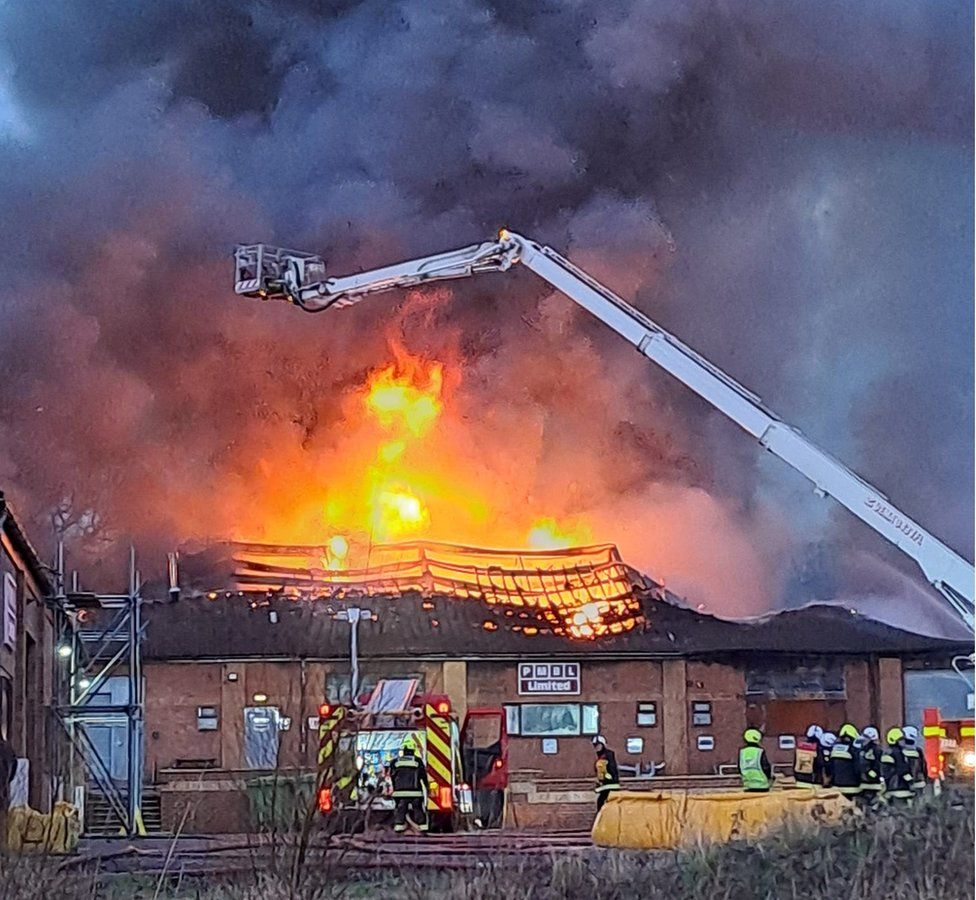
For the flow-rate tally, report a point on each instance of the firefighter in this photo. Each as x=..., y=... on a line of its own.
x=607, y=775
x=916, y=759
x=843, y=765
x=827, y=741
x=869, y=748
x=754, y=767
x=895, y=769
x=808, y=759
x=409, y=788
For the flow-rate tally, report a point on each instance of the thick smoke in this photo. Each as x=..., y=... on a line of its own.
x=786, y=185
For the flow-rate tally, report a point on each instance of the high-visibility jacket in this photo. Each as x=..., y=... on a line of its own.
x=607, y=774
x=754, y=768
x=917, y=766
x=896, y=772
x=844, y=769
x=808, y=763
x=409, y=776
x=870, y=764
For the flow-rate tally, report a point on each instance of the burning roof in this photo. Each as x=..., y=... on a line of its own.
x=445, y=601
x=579, y=592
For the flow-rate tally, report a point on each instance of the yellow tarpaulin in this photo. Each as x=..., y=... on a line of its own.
x=54, y=832
x=660, y=821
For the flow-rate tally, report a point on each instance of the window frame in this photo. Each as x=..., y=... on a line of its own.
x=515, y=727
x=701, y=713
x=642, y=712
x=210, y=715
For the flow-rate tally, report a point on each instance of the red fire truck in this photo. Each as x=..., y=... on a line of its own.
x=949, y=746
x=466, y=763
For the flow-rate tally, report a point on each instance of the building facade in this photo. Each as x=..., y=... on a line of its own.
x=672, y=697
x=677, y=716
x=26, y=661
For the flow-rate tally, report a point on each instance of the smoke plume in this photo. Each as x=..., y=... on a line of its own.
x=787, y=186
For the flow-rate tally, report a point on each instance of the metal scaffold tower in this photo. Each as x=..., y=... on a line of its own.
x=100, y=637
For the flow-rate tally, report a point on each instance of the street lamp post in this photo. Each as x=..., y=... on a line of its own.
x=354, y=615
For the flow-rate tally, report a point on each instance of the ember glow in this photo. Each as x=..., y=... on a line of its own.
x=580, y=592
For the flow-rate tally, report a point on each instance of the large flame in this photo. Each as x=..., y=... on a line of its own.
x=415, y=449
x=395, y=474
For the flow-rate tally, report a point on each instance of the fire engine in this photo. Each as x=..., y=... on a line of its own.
x=950, y=751
x=466, y=763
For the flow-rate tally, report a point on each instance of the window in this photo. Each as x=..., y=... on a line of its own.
x=591, y=718
x=647, y=714
x=706, y=742
x=635, y=745
x=206, y=718
x=9, y=611
x=701, y=713
x=337, y=686
x=512, y=720
x=6, y=708
x=552, y=719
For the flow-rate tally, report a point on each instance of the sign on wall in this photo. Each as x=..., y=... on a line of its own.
x=9, y=610
x=549, y=678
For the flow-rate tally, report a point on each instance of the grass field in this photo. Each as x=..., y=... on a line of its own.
x=897, y=854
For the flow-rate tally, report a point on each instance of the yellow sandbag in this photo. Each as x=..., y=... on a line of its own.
x=55, y=832
x=640, y=820
x=65, y=828
x=650, y=821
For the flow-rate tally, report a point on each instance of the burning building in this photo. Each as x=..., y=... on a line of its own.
x=568, y=642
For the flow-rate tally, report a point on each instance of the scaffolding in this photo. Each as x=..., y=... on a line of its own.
x=100, y=636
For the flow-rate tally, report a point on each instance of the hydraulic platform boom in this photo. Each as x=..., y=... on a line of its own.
x=271, y=273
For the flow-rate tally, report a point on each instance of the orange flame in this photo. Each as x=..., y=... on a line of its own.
x=545, y=534
x=411, y=400
x=399, y=465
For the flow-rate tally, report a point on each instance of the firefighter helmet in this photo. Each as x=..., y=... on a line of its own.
x=815, y=732
x=752, y=736
x=848, y=731
x=911, y=733
x=894, y=735
x=870, y=733
x=409, y=745
x=828, y=739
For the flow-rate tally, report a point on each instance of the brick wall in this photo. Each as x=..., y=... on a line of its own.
x=724, y=687
x=616, y=687
x=173, y=693
x=175, y=690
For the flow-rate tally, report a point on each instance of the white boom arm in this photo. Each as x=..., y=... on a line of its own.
x=268, y=272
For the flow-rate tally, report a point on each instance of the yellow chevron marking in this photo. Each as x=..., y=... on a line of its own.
x=436, y=740
x=443, y=775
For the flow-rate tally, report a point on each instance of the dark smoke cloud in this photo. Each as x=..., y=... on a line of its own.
x=788, y=185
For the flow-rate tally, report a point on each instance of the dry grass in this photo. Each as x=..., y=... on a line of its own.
x=922, y=853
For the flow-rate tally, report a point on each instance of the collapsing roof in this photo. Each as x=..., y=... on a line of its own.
x=280, y=602
x=581, y=592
